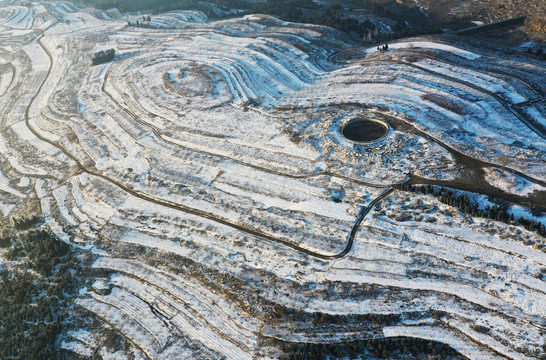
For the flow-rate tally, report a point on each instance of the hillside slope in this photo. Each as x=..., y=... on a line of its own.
x=489, y=11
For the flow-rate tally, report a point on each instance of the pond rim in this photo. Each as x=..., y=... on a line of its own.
x=364, y=120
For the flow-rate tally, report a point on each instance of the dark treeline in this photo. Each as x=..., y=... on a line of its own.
x=144, y=23
x=466, y=205
x=158, y=6
x=393, y=348
x=401, y=31
x=25, y=223
x=300, y=11
x=35, y=292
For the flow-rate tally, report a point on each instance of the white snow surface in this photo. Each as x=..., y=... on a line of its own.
x=511, y=183
x=430, y=45
x=205, y=170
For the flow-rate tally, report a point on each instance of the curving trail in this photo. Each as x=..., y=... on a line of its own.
x=225, y=212
x=203, y=214
x=356, y=226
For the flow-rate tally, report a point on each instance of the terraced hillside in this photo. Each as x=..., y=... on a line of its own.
x=205, y=171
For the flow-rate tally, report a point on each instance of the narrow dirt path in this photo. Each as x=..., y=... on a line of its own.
x=203, y=214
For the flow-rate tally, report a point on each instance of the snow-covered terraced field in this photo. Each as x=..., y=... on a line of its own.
x=205, y=172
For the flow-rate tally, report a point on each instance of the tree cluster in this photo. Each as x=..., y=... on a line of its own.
x=145, y=23
x=467, y=206
x=383, y=48
x=158, y=6
x=103, y=56
x=185, y=5
x=35, y=293
x=40, y=251
x=401, y=30
x=25, y=223
x=392, y=348
x=300, y=11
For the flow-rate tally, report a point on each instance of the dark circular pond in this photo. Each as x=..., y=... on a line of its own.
x=365, y=130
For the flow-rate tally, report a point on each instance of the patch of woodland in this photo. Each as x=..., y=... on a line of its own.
x=39, y=277
x=372, y=349
x=468, y=206
x=409, y=20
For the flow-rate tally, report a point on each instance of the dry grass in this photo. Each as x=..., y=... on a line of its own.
x=445, y=103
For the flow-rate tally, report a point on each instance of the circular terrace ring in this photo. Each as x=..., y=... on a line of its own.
x=365, y=130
